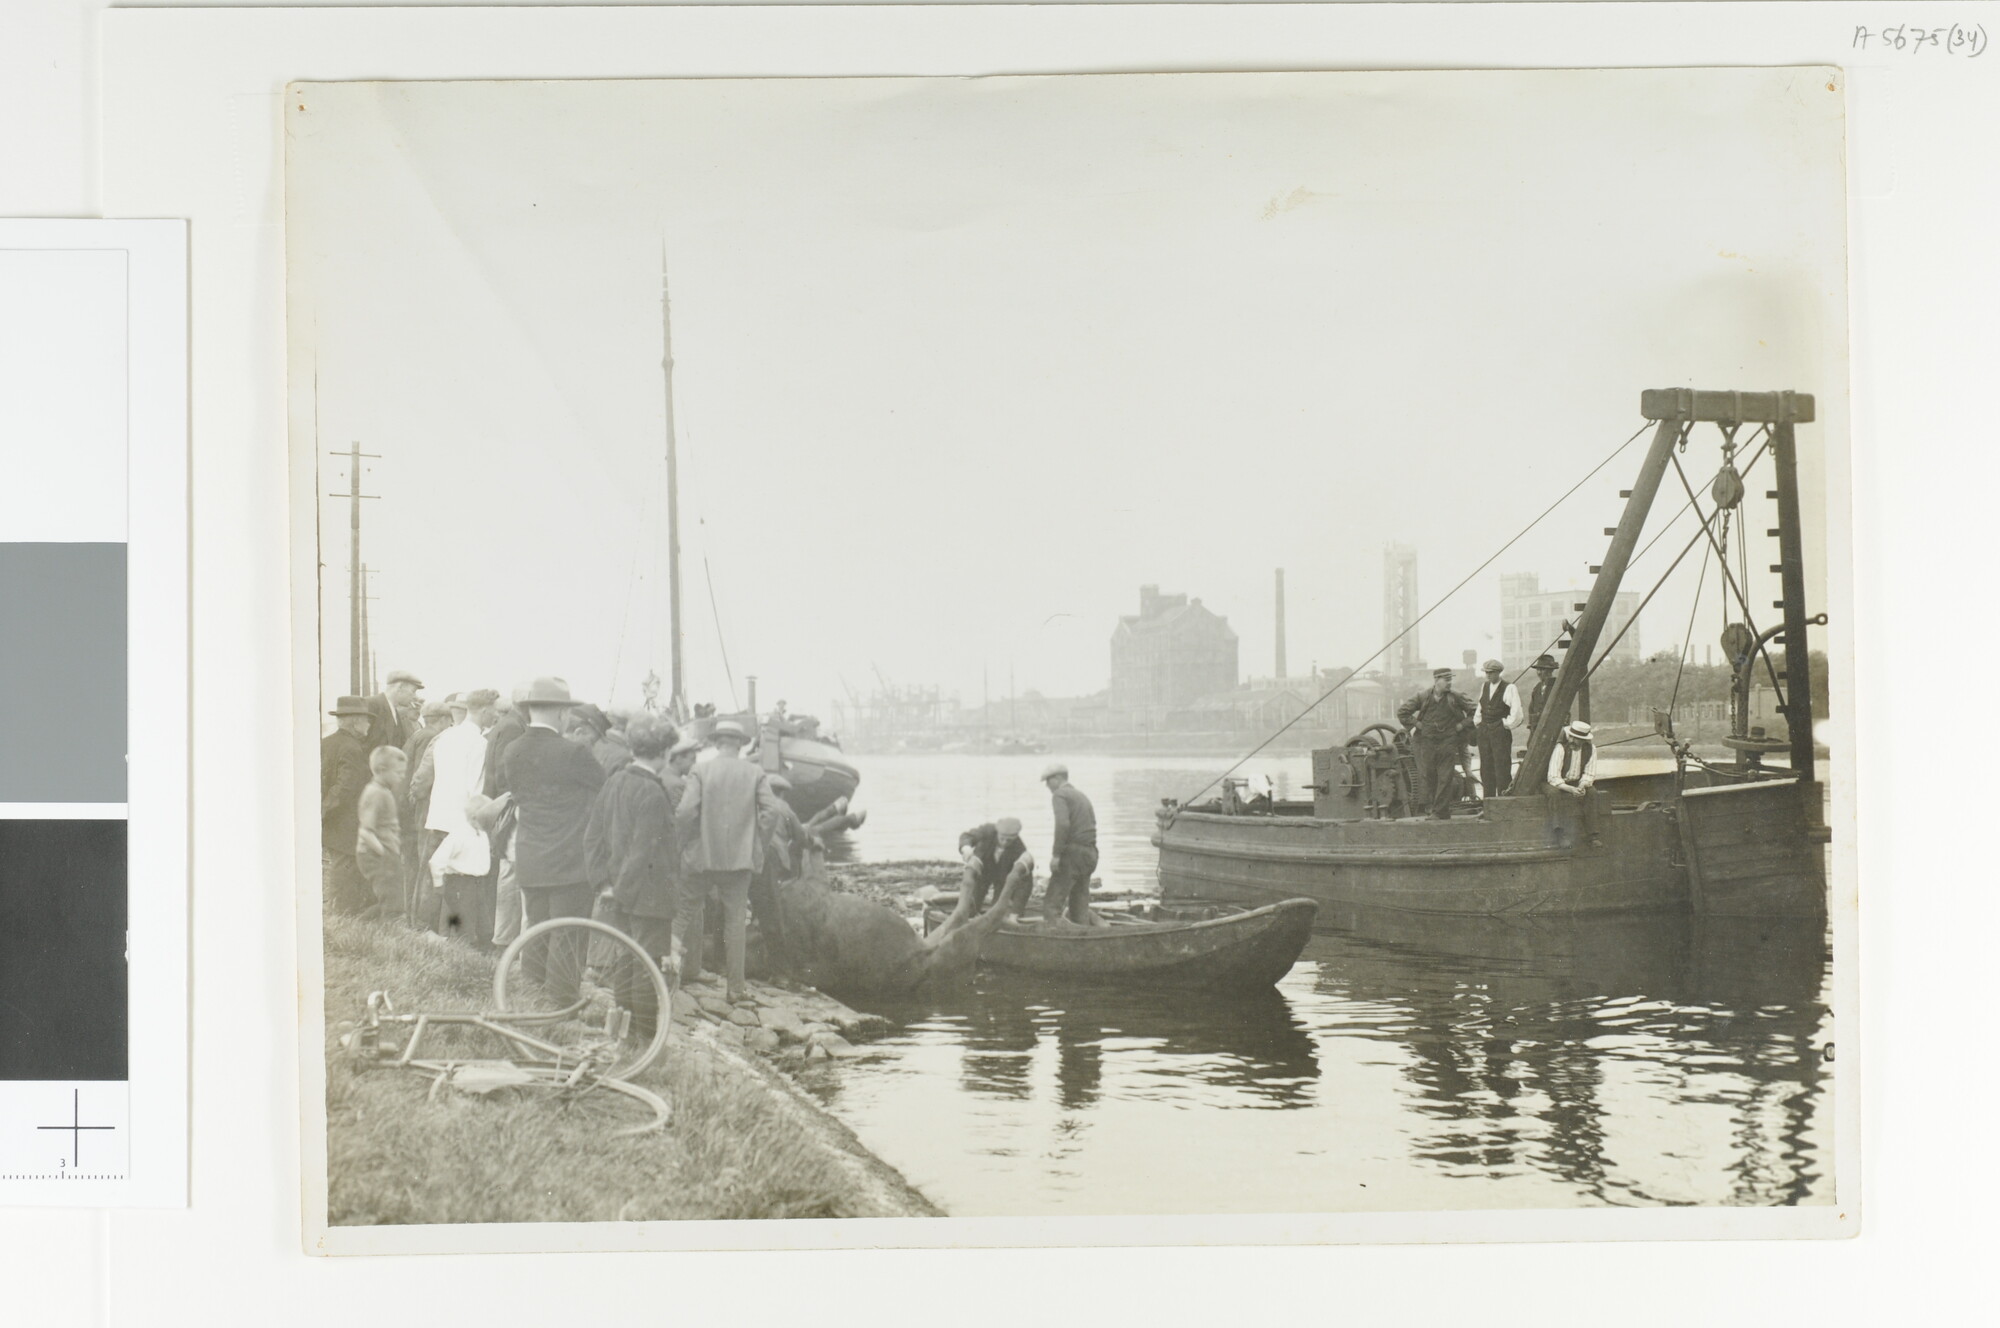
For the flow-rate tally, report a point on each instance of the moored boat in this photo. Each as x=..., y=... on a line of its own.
x=1744, y=841
x=819, y=771
x=1229, y=949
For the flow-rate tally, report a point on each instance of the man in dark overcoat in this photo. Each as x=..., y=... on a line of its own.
x=554, y=782
x=395, y=710
x=343, y=773
x=632, y=851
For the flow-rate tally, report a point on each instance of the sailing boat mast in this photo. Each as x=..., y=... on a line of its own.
x=677, y=690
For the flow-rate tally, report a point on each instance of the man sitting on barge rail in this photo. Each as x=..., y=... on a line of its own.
x=1438, y=721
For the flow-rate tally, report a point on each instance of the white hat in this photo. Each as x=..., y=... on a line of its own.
x=728, y=728
x=1578, y=729
x=1055, y=768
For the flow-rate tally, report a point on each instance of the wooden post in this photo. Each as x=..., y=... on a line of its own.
x=1792, y=574
x=1534, y=772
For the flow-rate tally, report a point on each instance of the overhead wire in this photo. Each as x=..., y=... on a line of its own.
x=1435, y=606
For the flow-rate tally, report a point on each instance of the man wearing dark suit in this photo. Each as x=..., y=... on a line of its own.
x=394, y=710
x=554, y=781
x=343, y=773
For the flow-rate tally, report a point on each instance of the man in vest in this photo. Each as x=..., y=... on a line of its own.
x=1437, y=720
x=1573, y=770
x=1545, y=685
x=1499, y=714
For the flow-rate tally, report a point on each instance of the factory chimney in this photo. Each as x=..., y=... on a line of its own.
x=1281, y=623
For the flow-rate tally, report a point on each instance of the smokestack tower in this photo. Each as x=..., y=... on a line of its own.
x=1399, y=611
x=1281, y=623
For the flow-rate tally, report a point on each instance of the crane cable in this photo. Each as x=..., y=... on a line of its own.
x=1516, y=538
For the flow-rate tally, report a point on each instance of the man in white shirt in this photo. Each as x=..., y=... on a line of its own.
x=1498, y=714
x=462, y=863
x=1573, y=771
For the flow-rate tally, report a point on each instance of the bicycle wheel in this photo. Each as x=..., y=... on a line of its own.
x=580, y=993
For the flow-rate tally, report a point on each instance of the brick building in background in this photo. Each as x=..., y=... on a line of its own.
x=1172, y=651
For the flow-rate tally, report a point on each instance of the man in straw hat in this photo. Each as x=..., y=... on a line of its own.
x=1073, y=851
x=343, y=773
x=1573, y=770
x=553, y=782
x=1437, y=720
x=1499, y=714
x=721, y=803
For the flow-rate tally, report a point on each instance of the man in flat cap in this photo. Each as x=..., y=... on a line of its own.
x=1437, y=720
x=394, y=710
x=1073, y=853
x=1499, y=714
x=724, y=806
x=343, y=773
x=417, y=891
x=996, y=846
x=1545, y=685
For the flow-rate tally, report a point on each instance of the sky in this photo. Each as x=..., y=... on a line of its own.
x=959, y=364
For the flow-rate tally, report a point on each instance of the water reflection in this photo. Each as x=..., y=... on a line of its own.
x=1245, y=1052
x=1524, y=1037
x=1411, y=1063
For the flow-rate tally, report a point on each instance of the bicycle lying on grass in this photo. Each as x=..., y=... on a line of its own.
x=565, y=995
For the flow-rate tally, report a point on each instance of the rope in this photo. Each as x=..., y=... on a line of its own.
x=1631, y=622
x=720, y=644
x=1700, y=584
x=1722, y=561
x=1280, y=730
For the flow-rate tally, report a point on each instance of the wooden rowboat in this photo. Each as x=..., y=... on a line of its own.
x=1217, y=949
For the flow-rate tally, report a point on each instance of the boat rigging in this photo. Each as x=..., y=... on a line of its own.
x=1743, y=841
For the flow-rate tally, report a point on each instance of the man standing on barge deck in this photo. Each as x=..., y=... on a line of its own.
x=1437, y=720
x=1500, y=714
x=1073, y=854
x=1545, y=685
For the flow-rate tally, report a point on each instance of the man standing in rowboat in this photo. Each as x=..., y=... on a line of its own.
x=1437, y=720
x=1073, y=855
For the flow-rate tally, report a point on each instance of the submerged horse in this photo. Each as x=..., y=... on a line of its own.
x=841, y=942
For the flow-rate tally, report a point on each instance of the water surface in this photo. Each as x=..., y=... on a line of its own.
x=1406, y=1062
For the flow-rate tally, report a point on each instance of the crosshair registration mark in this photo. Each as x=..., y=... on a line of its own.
x=76, y=1127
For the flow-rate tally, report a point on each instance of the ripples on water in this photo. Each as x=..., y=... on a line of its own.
x=1406, y=1062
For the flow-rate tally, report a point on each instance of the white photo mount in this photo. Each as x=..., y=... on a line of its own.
x=106, y=1142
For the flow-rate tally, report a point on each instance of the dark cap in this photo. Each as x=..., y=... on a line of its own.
x=1545, y=661
x=1441, y=673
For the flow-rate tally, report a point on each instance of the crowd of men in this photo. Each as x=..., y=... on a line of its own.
x=476, y=817
x=1444, y=724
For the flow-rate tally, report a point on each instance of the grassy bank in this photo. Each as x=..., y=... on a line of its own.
x=743, y=1142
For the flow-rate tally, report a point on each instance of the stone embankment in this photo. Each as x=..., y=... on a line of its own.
x=789, y=1025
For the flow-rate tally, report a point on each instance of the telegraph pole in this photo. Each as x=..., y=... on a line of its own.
x=677, y=685
x=357, y=659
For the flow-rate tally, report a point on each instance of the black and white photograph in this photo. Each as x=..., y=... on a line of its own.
x=1127, y=646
